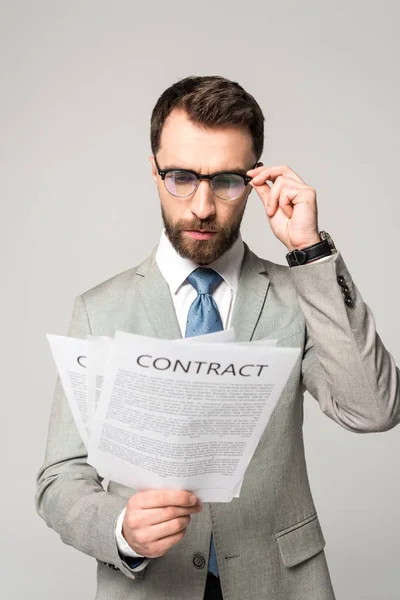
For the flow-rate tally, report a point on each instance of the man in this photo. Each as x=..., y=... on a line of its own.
x=207, y=139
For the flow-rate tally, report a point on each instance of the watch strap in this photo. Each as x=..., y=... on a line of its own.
x=309, y=254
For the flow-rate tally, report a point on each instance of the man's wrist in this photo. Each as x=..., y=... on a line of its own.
x=314, y=239
x=309, y=254
x=123, y=546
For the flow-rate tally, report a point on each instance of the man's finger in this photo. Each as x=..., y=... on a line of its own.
x=253, y=172
x=285, y=200
x=165, y=529
x=261, y=175
x=160, y=547
x=153, y=516
x=263, y=191
x=161, y=498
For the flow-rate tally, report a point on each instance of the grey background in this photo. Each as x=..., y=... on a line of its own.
x=79, y=80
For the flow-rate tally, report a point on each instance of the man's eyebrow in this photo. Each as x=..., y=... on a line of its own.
x=179, y=167
x=238, y=170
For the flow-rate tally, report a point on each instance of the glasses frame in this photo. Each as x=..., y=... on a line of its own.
x=199, y=177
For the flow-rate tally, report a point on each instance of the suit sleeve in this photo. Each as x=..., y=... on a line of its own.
x=345, y=366
x=70, y=496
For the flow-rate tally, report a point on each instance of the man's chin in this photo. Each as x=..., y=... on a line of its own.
x=199, y=251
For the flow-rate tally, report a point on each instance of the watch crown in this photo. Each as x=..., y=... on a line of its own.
x=324, y=235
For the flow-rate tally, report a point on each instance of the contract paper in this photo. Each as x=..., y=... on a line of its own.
x=185, y=416
x=81, y=367
x=70, y=356
x=98, y=349
x=180, y=414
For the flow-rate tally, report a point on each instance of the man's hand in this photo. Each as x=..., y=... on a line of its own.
x=155, y=520
x=290, y=204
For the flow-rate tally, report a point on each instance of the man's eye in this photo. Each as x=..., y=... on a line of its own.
x=224, y=179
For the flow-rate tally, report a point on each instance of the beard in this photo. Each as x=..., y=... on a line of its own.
x=202, y=252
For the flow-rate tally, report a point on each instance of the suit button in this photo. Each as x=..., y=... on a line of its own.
x=199, y=561
x=349, y=301
x=341, y=280
x=345, y=289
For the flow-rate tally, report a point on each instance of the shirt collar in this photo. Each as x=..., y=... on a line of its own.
x=175, y=269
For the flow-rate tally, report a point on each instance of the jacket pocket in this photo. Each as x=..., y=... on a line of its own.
x=301, y=541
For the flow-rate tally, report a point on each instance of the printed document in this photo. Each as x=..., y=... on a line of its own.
x=181, y=414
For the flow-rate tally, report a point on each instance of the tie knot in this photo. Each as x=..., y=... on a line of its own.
x=204, y=280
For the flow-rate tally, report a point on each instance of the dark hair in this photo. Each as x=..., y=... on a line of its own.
x=209, y=101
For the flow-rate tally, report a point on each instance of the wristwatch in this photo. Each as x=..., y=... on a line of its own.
x=325, y=247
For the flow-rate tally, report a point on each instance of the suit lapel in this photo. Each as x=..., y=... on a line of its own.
x=250, y=297
x=157, y=301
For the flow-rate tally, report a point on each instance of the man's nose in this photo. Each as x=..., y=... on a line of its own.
x=203, y=201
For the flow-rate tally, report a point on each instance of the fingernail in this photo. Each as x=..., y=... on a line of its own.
x=193, y=499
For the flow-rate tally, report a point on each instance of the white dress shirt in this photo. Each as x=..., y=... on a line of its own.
x=175, y=270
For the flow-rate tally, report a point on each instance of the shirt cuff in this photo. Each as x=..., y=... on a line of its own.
x=321, y=259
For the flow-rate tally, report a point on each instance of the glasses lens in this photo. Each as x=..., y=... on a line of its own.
x=228, y=186
x=180, y=183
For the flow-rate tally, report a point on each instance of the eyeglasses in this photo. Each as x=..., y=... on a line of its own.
x=184, y=182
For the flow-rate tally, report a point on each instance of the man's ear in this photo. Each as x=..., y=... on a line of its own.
x=154, y=171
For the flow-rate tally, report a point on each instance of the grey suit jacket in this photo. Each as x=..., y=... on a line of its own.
x=269, y=541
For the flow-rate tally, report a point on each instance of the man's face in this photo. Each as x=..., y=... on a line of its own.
x=202, y=226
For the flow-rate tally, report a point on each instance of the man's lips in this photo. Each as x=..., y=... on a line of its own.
x=200, y=235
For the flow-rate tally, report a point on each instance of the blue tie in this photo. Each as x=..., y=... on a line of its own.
x=204, y=317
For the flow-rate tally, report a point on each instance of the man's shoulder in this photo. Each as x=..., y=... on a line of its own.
x=275, y=271
x=120, y=284
x=280, y=280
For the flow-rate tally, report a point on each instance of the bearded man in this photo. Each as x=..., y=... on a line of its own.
x=207, y=136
